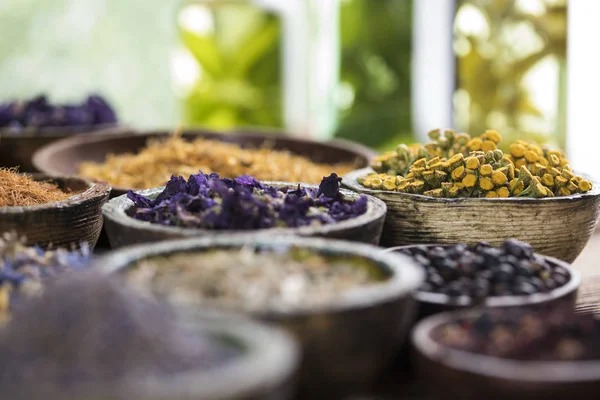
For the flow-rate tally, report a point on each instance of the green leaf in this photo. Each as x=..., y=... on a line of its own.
x=254, y=48
x=205, y=52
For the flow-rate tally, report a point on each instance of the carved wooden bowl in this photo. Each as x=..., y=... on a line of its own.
x=559, y=227
x=123, y=230
x=64, y=223
x=65, y=156
x=347, y=341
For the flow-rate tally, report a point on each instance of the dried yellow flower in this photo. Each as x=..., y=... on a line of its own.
x=469, y=181
x=486, y=169
x=499, y=178
x=486, y=183
x=517, y=150
x=585, y=186
x=491, y=195
x=503, y=192
x=472, y=163
x=488, y=145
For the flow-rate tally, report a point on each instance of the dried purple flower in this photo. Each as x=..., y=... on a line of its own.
x=244, y=203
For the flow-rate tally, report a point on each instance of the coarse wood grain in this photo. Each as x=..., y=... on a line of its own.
x=65, y=223
x=558, y=227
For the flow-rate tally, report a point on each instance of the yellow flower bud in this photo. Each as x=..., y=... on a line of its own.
x=486, y=169
x=572, y=187
x=493, y=135
x=389, y=184
x=503, y=192
x=434, y=134
x=486, y=183
x=554, y=160
x=374, y=183
x=561, y=181
x=543, y=161
x=491, y=195
x=458, y=173
x=417, y=186
x=417, y=172
x=469, y=181
x=420, y=163
x=472, y=163
x=521, y=162
x=517, y=150
x=585, y=186
x=554, y=171
x=434, y=193
x=548, y=180
x=456, y=160
x=563, y=191
x=499, y=178
x=531, y=156
x=410, y=175
x=488, y=145
x=462, y=138
x=474, y=144
x=567, y=174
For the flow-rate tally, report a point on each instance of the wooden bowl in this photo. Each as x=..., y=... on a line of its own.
x=266, y=368
x=18, y=147
x=347, y=341
x=434, y=303
x=456, y=374
x=558, y=227
x=123, y=230
x=65, y=156
x=64, y=223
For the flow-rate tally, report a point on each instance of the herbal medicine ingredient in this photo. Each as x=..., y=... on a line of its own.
x=244, y=203
x=251, y=279
x=18, y=190
x=161, y=158
x=456, y=165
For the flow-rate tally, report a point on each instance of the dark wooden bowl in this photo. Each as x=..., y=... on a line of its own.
x=64, y=223
x=18, y=147
x=558, y=227
x=434, y=303
x=65, y=156
x=347, y=341
x=123, y=230
x=266, y=368
x=455, y=374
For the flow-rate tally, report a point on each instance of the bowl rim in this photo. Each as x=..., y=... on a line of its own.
x=495, y=367
x=115, y=210
x=350, y=181
x=95, y=190
x=34, y=132
x=45, y=153
x=271, y=358
x=405, y=276
x=441, y=299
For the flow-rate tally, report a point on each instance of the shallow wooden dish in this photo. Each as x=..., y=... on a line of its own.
x=455, y=374
x=60, y=224
x=558, y=227
x=265, y=369
x=65, y=156
x=18, y=147
x=434, y=303
x=123, y=230
x=346, y=342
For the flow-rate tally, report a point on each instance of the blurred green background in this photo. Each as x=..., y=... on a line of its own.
x=159, y=67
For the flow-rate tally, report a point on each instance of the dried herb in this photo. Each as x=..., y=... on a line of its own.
x=38, y=112
x=89, y=329
x=252, y=279
x=24, y=270
x=160, y=159
x=244, y=203
x=21, y=190
x=527, y=335
x=480, y=271
x=456, y=165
